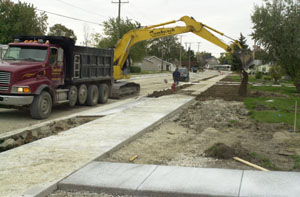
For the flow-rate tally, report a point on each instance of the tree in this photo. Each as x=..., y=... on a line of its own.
x=276, y=73
x=225, y=58
x=137, y=52
x=61, y=30
x=277, y=30
x=168, y=46
x=20, y=19
x=236, y=61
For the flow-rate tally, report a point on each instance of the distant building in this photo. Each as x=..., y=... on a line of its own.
x=154, y=63
x=211, y=63
x=264, y=68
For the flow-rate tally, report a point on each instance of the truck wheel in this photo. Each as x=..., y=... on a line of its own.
x=72, y=95
x=82, y=94
x=92, y=96
x=103, y=93
x=41, y=106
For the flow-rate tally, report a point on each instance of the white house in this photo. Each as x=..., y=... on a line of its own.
x=154, y=63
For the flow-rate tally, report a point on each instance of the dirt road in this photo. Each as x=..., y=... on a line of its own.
x=11, y=119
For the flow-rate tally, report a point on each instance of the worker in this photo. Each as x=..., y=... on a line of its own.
x=176, y=76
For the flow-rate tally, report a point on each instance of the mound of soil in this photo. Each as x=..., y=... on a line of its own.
x=225, y=92
x=166, y=92
x=223, y=151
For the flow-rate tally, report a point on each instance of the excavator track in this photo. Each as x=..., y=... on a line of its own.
x=123, y=88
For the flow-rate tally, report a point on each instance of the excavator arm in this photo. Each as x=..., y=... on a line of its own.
x=157, y=31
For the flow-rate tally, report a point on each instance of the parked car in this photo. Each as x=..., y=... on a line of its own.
x=184, y=74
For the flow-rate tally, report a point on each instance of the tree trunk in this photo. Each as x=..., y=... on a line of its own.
x=297, y=87
x=243, y=87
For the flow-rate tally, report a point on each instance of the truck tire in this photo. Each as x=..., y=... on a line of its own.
x=82, y=94
x=41, y=106
x=103, y=93
x=92, y=95
x=72, y=96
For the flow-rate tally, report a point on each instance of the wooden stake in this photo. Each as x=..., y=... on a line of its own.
x=133, y=158
x=250, y=164
x=295, y=120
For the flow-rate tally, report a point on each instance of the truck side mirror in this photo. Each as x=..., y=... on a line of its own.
x=60, y=55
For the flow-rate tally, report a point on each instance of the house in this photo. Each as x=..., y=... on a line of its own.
x=154, y=63
x=211, y=63
x=259, y=67
x=264, y=68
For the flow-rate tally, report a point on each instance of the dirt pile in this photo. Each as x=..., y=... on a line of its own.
x=212, y=113
x=225, y=92
x=166, y=92
x=223, y=151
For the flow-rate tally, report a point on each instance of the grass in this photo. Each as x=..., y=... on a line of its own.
x=280, y=110
x=232, y=121
x=238, y=79
x=263, y=80
x=263, y=161
x=297, y=161
x=282, y=90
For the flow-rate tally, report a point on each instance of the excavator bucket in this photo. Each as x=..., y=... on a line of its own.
x=246, y=59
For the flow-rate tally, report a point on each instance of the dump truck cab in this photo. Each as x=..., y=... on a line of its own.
x=27, y=67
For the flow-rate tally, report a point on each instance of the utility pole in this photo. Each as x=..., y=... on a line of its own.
x=180, y=50
x=119, y=17
x=190, y=57
x=198, y=46
x=189, y=49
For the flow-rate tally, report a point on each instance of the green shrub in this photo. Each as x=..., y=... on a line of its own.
x=135, y=69
x=267, y=78
x=258, y=75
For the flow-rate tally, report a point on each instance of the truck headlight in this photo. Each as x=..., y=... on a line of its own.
x=21, y=89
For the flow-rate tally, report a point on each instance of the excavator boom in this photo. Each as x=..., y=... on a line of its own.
x=157, y=31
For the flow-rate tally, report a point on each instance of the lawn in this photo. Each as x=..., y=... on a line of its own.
x=277, y=108
x=266, y=79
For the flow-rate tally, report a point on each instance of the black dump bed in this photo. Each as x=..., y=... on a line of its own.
x=83, y=64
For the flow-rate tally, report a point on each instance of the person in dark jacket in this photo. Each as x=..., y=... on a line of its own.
x=176, y=76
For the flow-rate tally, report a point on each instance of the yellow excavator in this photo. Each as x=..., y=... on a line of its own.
x=156, y=31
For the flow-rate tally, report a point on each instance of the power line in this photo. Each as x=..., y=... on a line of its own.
x=88, y=11
x=77, y=19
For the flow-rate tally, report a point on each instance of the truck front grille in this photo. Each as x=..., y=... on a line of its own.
x=3, y=88
x=4, y=77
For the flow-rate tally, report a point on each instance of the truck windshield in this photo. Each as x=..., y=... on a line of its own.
x=26, y=53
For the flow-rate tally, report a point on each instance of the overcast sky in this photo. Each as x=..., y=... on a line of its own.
x=231, y=17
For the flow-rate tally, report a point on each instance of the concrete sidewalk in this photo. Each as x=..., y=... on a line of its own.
x=41, y=164
x=154, y=180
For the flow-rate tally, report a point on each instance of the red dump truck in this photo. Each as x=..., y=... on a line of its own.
x=38, y=72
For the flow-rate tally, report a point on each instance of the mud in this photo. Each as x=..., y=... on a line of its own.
x=212, y=130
